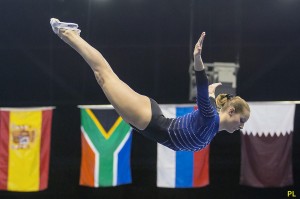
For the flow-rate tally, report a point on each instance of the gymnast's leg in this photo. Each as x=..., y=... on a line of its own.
x=131, y=106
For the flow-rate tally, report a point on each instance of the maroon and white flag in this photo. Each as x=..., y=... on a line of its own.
x=266, y=145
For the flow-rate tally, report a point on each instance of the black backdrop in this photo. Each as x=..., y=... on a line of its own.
x=148, y=45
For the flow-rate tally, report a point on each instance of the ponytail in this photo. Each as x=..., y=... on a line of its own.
x=223, y=101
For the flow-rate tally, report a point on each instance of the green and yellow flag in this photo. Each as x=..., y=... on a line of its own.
x=106, y=144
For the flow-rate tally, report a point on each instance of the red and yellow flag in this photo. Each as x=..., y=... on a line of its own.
x=25, y=148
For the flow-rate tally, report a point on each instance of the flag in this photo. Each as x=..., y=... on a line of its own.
x=106, y=145
x=181, y=169
x=25, y=148
x=266, y=146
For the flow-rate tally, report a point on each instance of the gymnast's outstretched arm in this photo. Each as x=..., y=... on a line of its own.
x=198, y=63
x=205, y=92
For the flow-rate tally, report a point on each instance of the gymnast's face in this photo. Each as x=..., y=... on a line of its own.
x=235, y=121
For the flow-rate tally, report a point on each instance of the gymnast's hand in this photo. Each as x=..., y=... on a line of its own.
x=198, y=63
x=212, y=89
x=198, y=46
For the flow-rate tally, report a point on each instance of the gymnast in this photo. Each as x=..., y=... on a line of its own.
x=191, y=132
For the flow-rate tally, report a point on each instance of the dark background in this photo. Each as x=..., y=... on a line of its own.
x=148, y=44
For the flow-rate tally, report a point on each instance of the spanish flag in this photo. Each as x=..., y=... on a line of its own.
x=24, y=148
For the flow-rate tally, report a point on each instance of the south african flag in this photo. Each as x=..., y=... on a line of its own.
x=106, y=145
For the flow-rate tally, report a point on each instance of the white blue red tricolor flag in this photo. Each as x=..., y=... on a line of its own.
x=181, y=169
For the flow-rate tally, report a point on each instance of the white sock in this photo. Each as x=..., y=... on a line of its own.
x=56, y=25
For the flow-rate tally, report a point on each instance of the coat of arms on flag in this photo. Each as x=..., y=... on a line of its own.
x=25, y=148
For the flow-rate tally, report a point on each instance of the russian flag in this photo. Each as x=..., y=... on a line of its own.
x=181, y=169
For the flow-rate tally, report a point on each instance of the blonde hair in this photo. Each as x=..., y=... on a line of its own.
x=224, y=101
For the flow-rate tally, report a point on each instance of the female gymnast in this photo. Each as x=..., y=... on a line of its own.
x=191, y=132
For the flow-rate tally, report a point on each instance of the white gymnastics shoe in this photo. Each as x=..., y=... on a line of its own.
x=56, y=25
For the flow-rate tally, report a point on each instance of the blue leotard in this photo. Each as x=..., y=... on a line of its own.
x=191, y=132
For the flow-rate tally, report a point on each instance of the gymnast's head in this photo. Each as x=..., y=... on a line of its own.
x=233, y=111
